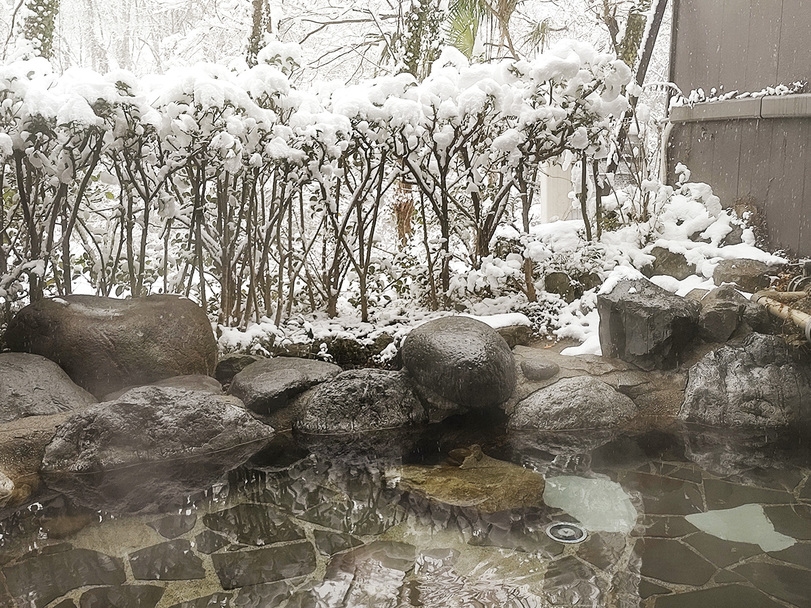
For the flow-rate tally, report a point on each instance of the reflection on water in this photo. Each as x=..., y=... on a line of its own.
x=676, y=519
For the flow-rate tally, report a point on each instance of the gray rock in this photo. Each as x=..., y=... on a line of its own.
x=106, y=344
x=462, y=360
x=269, y=384
x=254, y=524
x=31, y=385
x=572, y=404
x=151, y=448
x=724, y=309
x=360, y=400
x=753, y=384
x=748, y=275
x=671, y=264
x=193, y=382
x=646, y=325
x=516, y=335
x=561, y=284
x=538, y=369
x=22, y=446
x=230, y=365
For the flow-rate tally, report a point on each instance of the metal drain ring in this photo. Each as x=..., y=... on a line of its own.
x=567, y=532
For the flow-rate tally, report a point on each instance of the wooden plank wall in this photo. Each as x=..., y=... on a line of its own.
x=746, y=46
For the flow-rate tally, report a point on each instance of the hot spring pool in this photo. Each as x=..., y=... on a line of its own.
x=675, y=518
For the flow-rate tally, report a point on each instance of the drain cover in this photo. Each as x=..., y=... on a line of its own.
x=566, y=533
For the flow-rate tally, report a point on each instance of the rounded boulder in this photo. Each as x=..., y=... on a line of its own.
x=462, y=360
x=106, y=344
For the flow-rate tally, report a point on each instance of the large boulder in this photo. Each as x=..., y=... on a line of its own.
x=646, y=325
x=31, y=385
x=756, y=383
x=105, y=344
x=671, y=264
x=269, y=384
x=360, y=400
x=462, y=360
x=575, y=403
x=151, y=448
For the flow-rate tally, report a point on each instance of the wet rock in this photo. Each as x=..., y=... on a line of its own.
x=150, y=449
x=215, y=600
x=462, y=360
x=38, y=579
x=748, y=275
x=646, y=325
x=753, y=384
x=6, y=489
x=230, y=365
x=389, y=554
x=105, y=344
x=254, y=524
x=538, y=369
x=724, y=309
x=125, y=596
x=665, y=495
x=486, y=484
x=31, y=385
x=175, y=525
x=192, y=382
x=330, y=543
x=172, y=561
x=573, y=403
x=358, y=401
x=672, y=264
x=242, y=568
x=269, y=384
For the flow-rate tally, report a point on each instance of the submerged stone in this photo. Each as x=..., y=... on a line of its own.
x=745, y=524
x=210, y=542
x=39, y=579
x=172, y=560
x=568, y=581
x=330, y=543
x=730, y=596
x=485, y=483
x=673, y=562
x=174, y=525
x=792, y=585
x=242, y=568
x=254, y=524
x=215, y=600
x=263, y=595
x=124, y=596
x=600, y=505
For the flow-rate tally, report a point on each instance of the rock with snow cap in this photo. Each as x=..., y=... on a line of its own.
x=646, y=325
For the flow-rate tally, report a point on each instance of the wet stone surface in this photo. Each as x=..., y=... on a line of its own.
x=335, y=531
